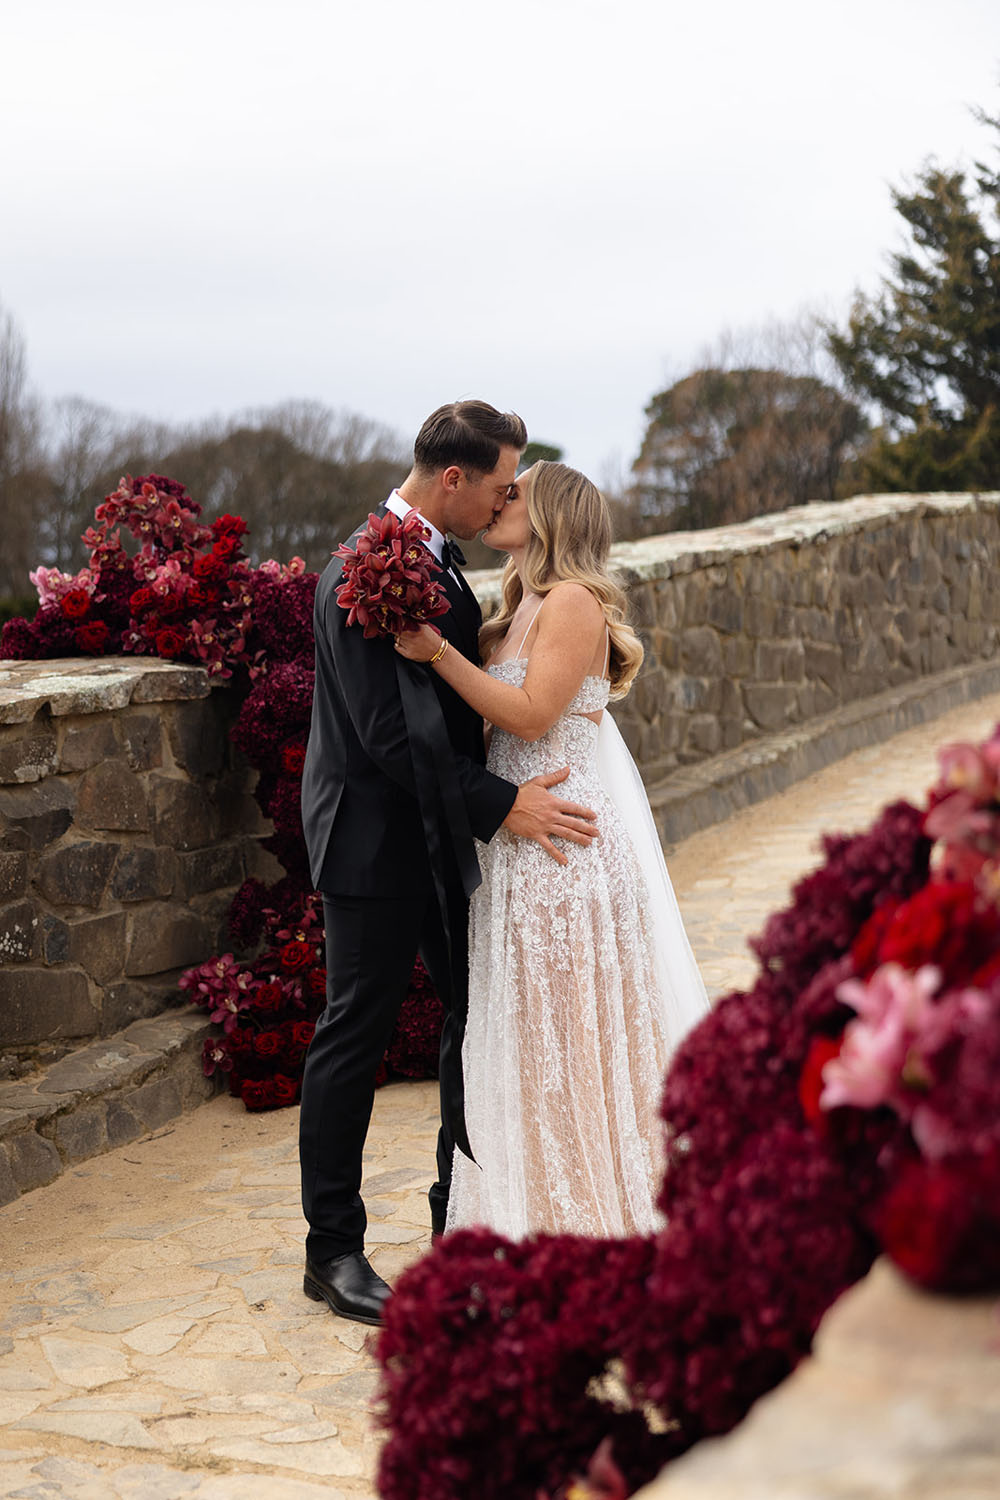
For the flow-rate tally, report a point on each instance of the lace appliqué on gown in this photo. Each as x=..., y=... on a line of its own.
x=567, y=1038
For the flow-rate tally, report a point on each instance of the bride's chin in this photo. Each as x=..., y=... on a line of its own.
x=488, y=540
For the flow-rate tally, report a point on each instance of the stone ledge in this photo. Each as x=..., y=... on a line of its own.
x=899, y=1401
x=99, y=1097
x=74, y=685
x=695, y=798
x=678, y=552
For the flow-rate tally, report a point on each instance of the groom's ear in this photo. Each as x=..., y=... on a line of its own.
x=451, y=478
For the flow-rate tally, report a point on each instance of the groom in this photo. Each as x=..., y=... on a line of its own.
x=368, y=828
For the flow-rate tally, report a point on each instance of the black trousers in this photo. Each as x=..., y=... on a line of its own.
x=371, y=944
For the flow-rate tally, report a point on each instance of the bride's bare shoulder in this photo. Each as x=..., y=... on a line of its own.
x=572, y=605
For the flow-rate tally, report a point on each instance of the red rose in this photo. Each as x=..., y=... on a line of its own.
x=822, y=1049
x=284, y=1090
x=267, y=1043
x=303, y=1032
x=208, y=567
x=201, y=596
x=142, y=600
x=92, y=637
x=258, y=1093
x=865, y=948
x=229, y=526
x=75, y=604
x=947, y=924
x=170, y=604
x=293, y=758
x=240, y=1041
x=269, y=998
x=923, y=1219
x=295, y=956
x=316, y=983
x=226, y=547
x=170, y=641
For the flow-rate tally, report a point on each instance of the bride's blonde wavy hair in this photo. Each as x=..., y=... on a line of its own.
x=570, y=541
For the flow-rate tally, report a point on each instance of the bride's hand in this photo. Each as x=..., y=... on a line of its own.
x=418, y=645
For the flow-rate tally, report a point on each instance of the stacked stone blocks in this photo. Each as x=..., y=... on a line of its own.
x=751, y=630
x=125, y=830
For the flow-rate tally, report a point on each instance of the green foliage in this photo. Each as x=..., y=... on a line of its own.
x=926, y=349
x=535, y=451
x=722, y=445
x=13, y=608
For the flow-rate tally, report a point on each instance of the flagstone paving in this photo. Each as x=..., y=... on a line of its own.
x=154, y=1339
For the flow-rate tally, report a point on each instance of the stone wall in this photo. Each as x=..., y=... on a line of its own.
x=752, y=629
x=125, y=819
x=125, y=829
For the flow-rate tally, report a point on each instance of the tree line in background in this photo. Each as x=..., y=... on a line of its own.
x=298, y=473
x=906, y=396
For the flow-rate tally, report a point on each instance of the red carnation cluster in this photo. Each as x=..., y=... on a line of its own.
x=389, y=583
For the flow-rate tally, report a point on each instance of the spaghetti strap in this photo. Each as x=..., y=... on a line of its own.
x=607, y=651
x=528, y=631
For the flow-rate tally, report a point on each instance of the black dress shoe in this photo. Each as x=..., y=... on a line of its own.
x=349, y=1285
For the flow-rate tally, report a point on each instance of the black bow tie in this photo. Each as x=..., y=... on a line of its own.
x=452, y=555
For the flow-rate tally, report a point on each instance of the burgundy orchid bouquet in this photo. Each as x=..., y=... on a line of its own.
x=847, y=1103
x=389, y=574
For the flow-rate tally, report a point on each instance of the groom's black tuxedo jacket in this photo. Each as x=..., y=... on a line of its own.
x=360, y=813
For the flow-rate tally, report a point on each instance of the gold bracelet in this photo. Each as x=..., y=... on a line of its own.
x=439, y=652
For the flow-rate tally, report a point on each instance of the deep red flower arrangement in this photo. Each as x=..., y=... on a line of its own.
x=388, y=583
x=185, y=592
x=848, y=1103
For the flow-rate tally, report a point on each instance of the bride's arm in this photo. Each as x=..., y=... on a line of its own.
x=570, y=626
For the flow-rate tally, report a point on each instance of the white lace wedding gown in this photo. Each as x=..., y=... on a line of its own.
x=581, y=983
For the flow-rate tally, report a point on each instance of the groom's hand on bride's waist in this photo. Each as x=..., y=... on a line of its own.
x=538, y=815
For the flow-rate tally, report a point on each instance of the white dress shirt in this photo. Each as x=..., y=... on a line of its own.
x=435, y=542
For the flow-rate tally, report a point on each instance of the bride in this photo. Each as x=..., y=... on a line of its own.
x=581, y=978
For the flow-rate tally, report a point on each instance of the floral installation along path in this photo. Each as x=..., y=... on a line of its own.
x=848, y=1103
x=185, y=591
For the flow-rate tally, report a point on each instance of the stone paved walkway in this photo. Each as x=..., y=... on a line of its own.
x=154, y=1339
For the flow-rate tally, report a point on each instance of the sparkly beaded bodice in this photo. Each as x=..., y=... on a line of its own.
x=571, y=741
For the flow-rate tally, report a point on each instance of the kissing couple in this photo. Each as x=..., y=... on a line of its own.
x=567, y=980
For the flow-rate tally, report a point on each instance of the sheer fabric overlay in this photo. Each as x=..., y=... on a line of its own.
x=581, y=983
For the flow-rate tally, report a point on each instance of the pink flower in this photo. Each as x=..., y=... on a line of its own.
x=969, y=768
x=893, y=1007
x=53, y=585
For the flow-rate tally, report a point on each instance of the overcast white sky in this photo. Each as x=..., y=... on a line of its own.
x=553, y=204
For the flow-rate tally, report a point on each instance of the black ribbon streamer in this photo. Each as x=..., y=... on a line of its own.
x=444, y=816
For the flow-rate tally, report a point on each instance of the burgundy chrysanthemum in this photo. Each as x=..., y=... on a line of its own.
x=278, y=706
x=21, y=641
x=246, y=914
x=830, y=905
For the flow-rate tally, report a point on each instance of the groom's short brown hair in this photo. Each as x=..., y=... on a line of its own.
x=469, y=434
